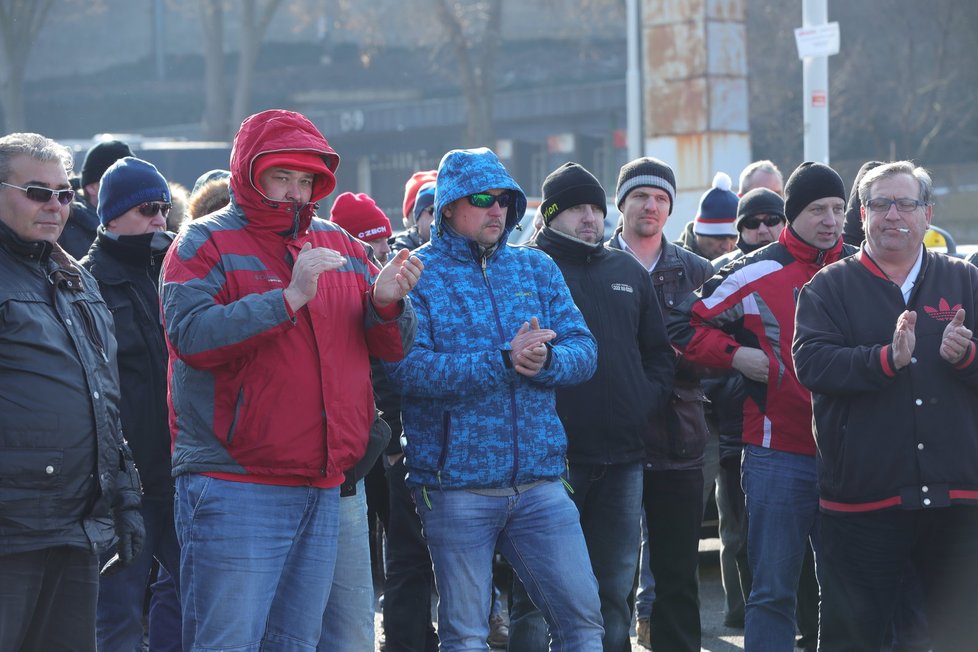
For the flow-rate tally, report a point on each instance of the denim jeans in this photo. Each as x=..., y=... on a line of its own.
x=863, y=566
x=47, y=599
x=673, y=502
x=645, y=592
x=539, y=532
x=782, y=509
x=609, y=499
x=409, y=581
x=256, y=563
x=734, y=569
x=121, y=596
x=165, y=629
x=348, y=624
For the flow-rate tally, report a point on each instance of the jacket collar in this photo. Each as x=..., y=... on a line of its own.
x=806, y=253
x=560, y=245
x=140, y=252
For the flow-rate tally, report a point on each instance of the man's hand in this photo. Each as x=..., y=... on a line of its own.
x=309, y=264
x=753, y=363
x=397, y=278
x=957, y=339
x=528, y=349
x=905, y=338
x=129, y=528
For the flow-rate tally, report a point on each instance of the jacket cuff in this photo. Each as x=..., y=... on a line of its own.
x=968, y=358
x=886, y=361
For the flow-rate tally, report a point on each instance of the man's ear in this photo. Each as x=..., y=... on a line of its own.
x=446, y=212
x=862, y=213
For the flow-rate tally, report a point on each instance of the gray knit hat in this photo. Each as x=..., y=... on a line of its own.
x=646, y=171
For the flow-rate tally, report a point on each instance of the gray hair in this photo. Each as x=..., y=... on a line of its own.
x=896, y=168
x=757, y=166
x=36, y=146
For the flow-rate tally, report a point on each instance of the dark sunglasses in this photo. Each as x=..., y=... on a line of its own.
x=485, y=199
x=151, y=208
x=43, y=195
x=754, y=222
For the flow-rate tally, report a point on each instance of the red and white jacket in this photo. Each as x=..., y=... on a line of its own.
x=751, y=302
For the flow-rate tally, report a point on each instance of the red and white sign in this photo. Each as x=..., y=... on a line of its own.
x=818, y=40
x=820, y=99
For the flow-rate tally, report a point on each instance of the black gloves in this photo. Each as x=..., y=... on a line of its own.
x=125, y=513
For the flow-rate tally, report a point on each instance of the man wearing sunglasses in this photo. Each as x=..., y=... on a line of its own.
x=271, y=314
x=69, y=487
x=760, y=221
x=126, y=259
x=885, y=342
x=743, y=318
x=498, y=332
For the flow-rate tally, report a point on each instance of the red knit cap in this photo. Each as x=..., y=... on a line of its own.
x=302, y=161
x=411, y=188
x=359, y=215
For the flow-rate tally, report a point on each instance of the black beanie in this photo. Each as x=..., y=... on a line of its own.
x=567, y=186
x=100, y=157
x=810, y=181
x=759, y=201
x=646, y=171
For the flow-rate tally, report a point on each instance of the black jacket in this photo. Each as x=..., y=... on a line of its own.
x=887, y=438
x=80, y=229
x=128, y=272
x=409, y=240
x=64, y=465
x=680, y=436
x=607, y=418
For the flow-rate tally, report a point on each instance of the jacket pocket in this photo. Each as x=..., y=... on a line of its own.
x=446, y=439
x=685, y=423
x=238, y=406
x=31, y=482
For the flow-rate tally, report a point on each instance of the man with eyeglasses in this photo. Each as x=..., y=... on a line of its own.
x=69, y=488
x=126, y=259
x=498, y=332
x=271, y=314
x=743, y=318
x=885, y=342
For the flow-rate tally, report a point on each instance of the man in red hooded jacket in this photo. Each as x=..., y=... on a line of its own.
x=270, y=315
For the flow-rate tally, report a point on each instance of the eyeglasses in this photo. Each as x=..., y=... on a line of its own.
x=43, y=195
x=151, y=208
x=881, y=205
x=755, y=221
x=485, y=199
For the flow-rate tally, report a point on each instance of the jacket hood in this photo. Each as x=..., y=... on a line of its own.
x=463, y=172
x=286, y=132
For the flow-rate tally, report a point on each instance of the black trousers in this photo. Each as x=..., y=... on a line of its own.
x=410, y=580
x=674, y=513
x=48, y=599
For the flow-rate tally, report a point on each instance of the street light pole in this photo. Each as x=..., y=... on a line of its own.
x=815, y=72
x=633, y=80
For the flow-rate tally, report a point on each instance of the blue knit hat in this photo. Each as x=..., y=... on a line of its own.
x=127, y=183
x=718, y=209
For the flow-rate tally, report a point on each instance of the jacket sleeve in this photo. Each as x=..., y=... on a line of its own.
x=824, y=363
x=390, y=330
x=574, y=352
x=203, y=331
x=701, y=325
x=658, y=356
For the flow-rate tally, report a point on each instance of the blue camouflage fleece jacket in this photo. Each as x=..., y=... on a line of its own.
x=470, y=420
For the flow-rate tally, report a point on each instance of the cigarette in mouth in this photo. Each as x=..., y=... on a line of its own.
x=904, y=230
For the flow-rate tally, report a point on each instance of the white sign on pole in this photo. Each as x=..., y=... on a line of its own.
x=817, y=41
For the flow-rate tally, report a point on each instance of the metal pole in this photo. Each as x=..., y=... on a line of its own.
x=159, y=38
x=633, y=80
x=816, y=89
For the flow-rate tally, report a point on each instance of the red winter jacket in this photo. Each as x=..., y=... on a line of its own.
x=751, y=302
x=258, y=393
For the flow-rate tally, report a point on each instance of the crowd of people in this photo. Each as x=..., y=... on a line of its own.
x=253, y=410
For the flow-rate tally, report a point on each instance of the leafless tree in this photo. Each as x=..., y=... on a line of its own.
x=20, y=21
x=216, y=121
x=256, y=15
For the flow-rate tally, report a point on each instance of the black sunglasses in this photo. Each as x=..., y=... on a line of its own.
x=151, y=208
x=43, y=195
x=754, y=222
x=485, y=199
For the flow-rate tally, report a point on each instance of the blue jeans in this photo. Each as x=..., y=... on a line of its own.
x=121, y=596
x=165, y=630
x=782, y=512
x=609, y=499
x=645, y=592
x=256, y=563
x=348, y=624
x=539, y=532
x=864, y=567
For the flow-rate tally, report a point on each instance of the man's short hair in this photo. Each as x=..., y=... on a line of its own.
x=36, y=146
x=747, y=174
x=896, y=168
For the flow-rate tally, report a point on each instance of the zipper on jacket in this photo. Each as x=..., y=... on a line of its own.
x=93, y=335
x=446, y=437
x=512, y=388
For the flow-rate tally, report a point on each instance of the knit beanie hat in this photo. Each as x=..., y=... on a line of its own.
x=718, y=209
x=412, y=187
x=127, y=183
x=810, y=181
x=360, y=216
x=424, y=199
x=759, y=201
x=567, y=186
x=646, y=171
x=100, y=157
